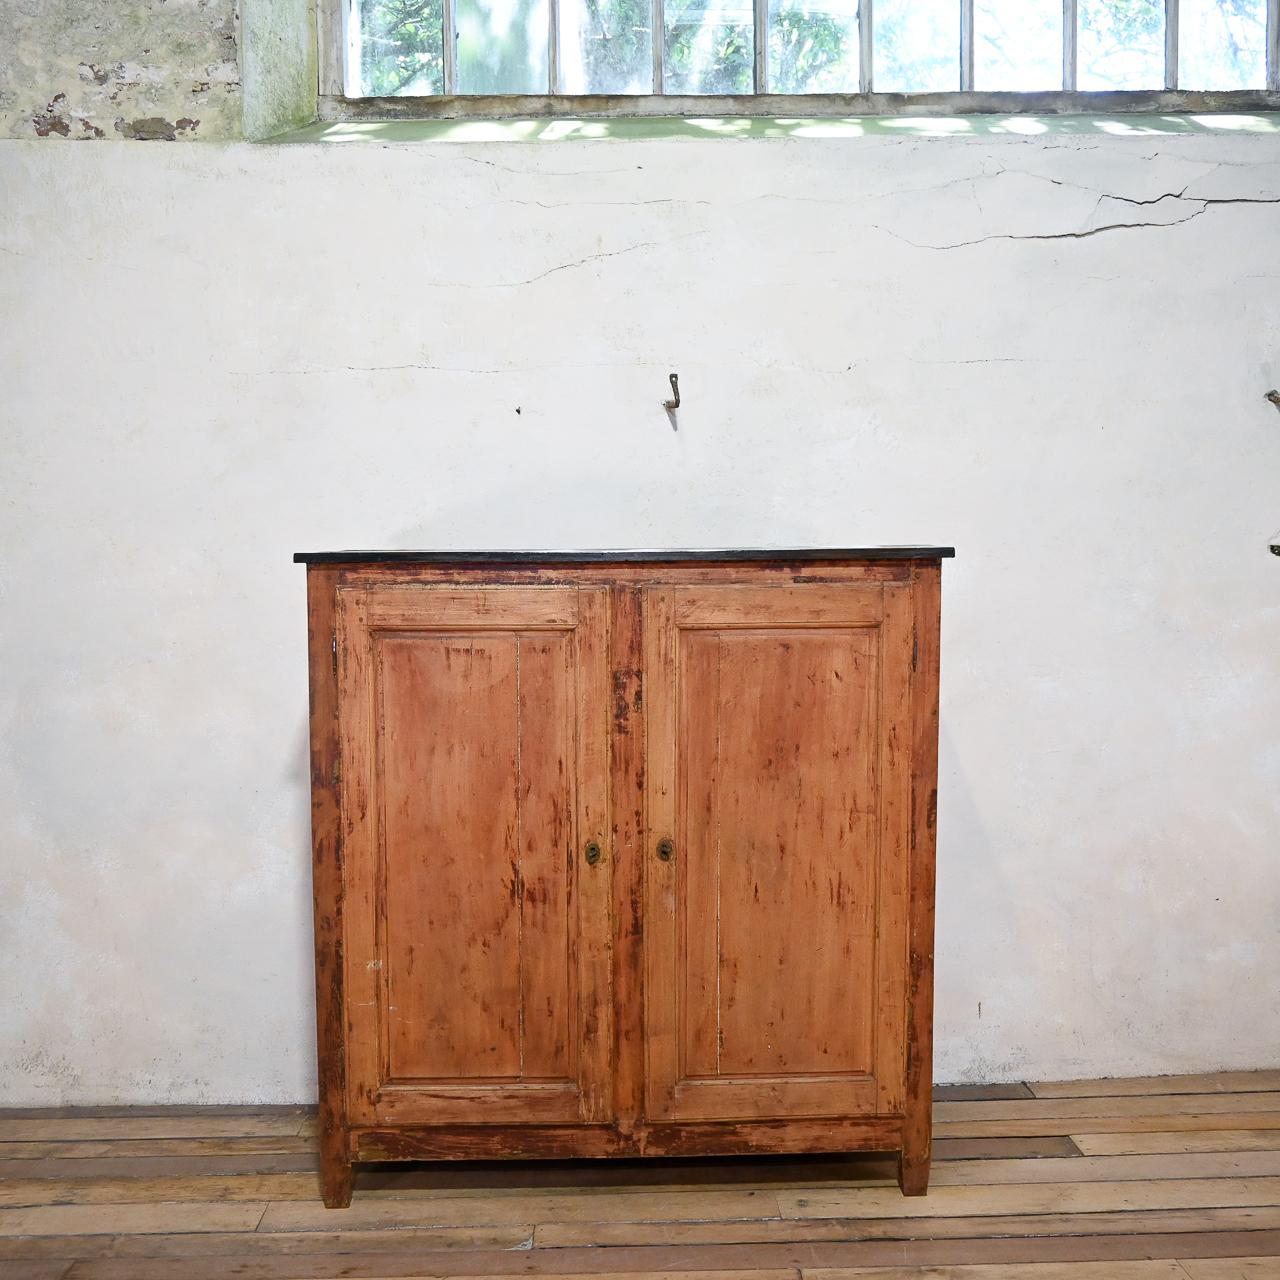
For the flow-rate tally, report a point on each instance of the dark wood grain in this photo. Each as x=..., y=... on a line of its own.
x=327, y=886
x=980, y=1092
x=763, y=1261
x=917, y=1123
x=550, y=1142
x=627, y=720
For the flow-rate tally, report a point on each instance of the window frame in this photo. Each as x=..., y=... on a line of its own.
x=337, y=50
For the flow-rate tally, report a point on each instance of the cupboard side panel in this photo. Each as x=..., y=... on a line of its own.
x=327, y=885
x=917, y=1125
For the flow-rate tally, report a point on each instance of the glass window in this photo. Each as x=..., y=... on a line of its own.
x=917, y=46
x=813, y=46
x=606, y=46
x=1121, y=44
x=502, y=46
x=401, y=47
x=1017, y=44
x=1222, y=44
x=708, y=46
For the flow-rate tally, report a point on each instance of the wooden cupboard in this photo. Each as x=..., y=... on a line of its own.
x=623, y=853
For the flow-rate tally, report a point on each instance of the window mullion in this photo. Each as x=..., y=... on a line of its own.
x=760, y=23
x=337, y=51
x=659, y=20
x=866, y=48
x=450, y=46
x=351, y=45
x=1273, y=45
x=553, y=45
x=966, y=45
x=1170, y=44
x=1069, y=35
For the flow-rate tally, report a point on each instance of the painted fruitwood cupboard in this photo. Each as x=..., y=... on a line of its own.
x=623, y=853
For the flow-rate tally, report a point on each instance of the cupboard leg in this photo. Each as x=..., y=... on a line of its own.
x=336, y=1178
x=913, y=1173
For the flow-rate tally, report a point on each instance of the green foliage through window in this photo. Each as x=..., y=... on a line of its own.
x=401, y=47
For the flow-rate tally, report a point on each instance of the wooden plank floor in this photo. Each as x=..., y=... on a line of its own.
x=1173, y=1178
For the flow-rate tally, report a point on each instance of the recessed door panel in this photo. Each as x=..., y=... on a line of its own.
x=774, y=730
x=477, y=929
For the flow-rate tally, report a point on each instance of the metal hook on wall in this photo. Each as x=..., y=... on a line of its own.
x=669, y=405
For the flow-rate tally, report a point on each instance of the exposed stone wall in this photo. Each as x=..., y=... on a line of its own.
x=147, y=70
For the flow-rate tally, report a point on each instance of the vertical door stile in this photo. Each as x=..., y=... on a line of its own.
x=595, y=914
x=360, y=838
x=894, y=837
x=627, y=716
x=660, y=925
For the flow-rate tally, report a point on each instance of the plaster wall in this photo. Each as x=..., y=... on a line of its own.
x=1051, y=352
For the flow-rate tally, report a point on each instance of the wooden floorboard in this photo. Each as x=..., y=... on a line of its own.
x=1164, y=1178
x=980, y=1092
x=682, y=1261
x=187, y=1148
x=1219, y=1082
x=1124, y=1222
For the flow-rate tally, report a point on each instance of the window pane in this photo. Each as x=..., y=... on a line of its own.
x=1121, y=44
x=605, y=46
x=708, y=46
x=917, y=45
x=1222, y=44
x=1017, y=44
x=401, y=47
x=813, y=46
x=502, y=46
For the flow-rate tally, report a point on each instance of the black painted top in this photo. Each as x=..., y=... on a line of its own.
x=625, y=557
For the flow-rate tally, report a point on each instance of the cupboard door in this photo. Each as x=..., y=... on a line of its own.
x=473, y=732
x=776, y=926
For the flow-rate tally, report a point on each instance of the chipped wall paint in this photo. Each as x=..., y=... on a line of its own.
x=1051, y=352
x=147, y=70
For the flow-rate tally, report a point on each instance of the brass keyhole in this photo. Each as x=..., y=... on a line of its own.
x=592, y=853
x=666, y=848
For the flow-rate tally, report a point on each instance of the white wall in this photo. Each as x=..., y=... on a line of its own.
x=214, y=356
